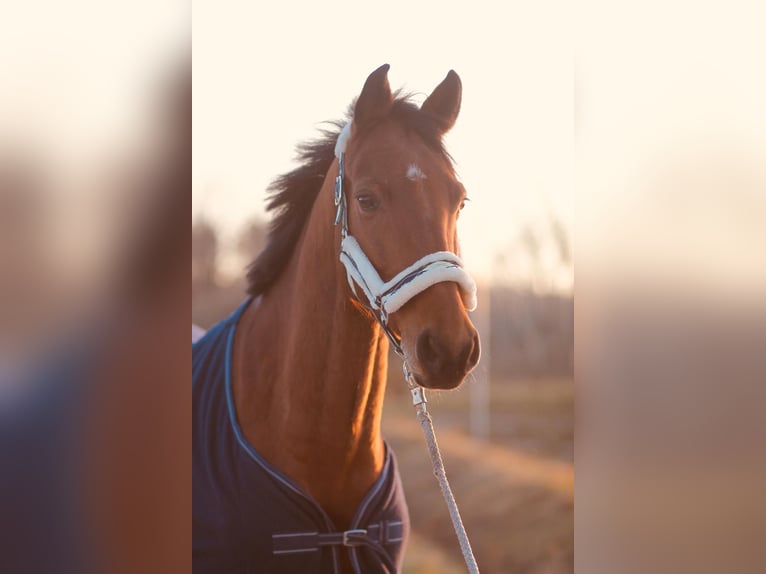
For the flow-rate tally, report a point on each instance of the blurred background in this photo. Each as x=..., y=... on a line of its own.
x=95, y=170
x=265, y=79
x=658, y=106
x=671, y=284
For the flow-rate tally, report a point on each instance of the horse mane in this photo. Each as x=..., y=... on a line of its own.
x=291, y=195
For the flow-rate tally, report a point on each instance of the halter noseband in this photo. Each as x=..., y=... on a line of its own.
x=383, y=298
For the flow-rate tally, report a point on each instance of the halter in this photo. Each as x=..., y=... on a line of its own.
x=382, y=298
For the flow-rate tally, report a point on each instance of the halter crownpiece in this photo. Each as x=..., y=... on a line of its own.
x=342, y=141
x=386, y=297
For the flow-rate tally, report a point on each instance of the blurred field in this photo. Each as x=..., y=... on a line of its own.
x=516, y=499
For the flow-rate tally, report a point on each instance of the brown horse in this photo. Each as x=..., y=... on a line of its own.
x=309, y=359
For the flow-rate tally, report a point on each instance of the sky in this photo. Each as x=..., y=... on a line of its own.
x=82, y=83
x=267, y=75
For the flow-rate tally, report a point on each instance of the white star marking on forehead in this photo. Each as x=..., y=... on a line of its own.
x=414, y=172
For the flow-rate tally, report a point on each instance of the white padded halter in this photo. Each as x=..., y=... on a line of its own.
x=390, y=296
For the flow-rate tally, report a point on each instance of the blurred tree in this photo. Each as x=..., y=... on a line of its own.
x=204, y=253
x=532, y=322
x=531, y=248
x=561, y=237
x=252, y=239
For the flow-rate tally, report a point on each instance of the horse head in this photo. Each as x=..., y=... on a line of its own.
x=404, y=200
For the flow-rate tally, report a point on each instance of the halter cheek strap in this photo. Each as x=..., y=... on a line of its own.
x=384, y=298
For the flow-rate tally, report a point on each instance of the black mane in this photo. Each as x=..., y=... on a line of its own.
x=292, y=195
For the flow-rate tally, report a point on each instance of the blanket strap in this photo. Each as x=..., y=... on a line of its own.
x=374, y=537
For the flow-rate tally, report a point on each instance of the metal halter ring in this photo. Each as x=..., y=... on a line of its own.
x=354, y=532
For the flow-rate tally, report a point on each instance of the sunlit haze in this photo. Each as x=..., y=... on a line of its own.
x=266, y=77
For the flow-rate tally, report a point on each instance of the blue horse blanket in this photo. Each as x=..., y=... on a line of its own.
x=248, y=517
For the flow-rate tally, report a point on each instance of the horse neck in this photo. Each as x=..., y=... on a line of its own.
x=310, y=371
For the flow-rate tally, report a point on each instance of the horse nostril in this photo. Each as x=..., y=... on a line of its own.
x=474, y=353
x=437, y=359
x=429, y=353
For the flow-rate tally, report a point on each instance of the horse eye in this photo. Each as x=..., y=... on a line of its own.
x=462, y=203
x=367, y=202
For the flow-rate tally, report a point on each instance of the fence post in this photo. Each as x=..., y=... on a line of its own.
x=479, y=422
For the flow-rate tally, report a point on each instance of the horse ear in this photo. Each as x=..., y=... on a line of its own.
x=443, y=105
x=375, y=100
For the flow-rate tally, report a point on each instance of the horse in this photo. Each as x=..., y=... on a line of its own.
x=290, y=469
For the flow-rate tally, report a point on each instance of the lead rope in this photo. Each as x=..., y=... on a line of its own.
x=419, y=402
